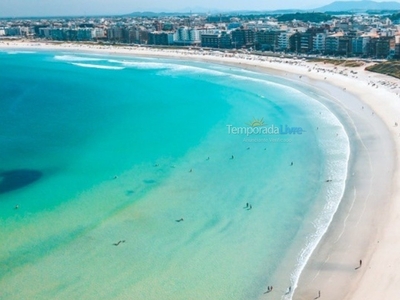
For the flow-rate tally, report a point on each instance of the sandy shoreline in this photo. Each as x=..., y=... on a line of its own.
x=366, y=225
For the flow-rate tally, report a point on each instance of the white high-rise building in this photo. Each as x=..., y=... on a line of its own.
x=188, y=36
x=283, y=40
x=98, y=33
x=319, y=42
x=181, y=35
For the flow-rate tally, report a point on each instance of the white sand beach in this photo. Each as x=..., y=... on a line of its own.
x=367, y=224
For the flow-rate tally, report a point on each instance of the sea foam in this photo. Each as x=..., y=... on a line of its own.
x=97, y=66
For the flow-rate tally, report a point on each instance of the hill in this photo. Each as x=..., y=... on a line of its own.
x=359, y=6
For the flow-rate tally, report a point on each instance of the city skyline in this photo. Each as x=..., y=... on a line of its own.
x=43, y=8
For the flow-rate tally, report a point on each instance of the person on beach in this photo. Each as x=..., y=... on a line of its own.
x=359, y=265
x=121, y=241
x=288, y=290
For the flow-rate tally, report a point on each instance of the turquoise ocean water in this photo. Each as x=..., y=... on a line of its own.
x=100, y=149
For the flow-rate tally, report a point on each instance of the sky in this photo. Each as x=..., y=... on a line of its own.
x=23, y=8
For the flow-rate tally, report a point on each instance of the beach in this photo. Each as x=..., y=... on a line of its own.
x=365, y=226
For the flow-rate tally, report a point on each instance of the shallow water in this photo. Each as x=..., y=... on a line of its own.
x=99, y=149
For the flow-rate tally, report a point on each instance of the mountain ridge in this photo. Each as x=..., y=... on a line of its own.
x=361, y=6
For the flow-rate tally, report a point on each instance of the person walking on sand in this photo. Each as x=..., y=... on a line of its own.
x=359, y=265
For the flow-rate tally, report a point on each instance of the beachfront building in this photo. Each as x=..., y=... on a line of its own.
x=194, y=35
x=84, y=34
x=267, y=40
x=181, y=35
x=397, y=47
x=221, y=40
x=114, y=34
x=381, y=47
x=283, y=40
x=98, y=33
x=306, y=42
x=161, y=38
x=136, y=35
x=57, y=34
x=243, y=38
x=45, y=33
x=332, y=43
x=397, y=51
x=344, y=46
x=302, y=40
x=359, y=45
x=210, y=40
x=294, y=42
x=225, y=40
x=187, y=36
x=12, y=31
x=319, y=42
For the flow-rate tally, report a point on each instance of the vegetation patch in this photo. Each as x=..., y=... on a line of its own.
x=391, y=68
x=339, y=62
